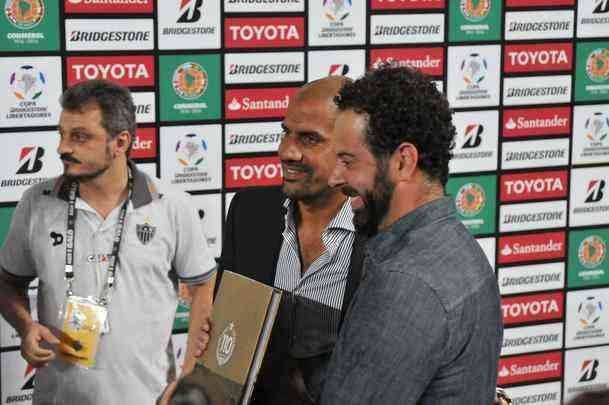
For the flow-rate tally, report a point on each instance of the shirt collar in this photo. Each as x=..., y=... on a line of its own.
x=144, y=191
x=385, y=242
x=342, y=220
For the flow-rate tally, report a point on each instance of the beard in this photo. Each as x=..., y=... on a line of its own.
x=307, y=189
x=376, y=204
x=86, y=176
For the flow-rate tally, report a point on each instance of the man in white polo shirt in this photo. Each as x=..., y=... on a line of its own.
x=108, y=244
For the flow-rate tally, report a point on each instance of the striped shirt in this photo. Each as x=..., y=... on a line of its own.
x=324, y=282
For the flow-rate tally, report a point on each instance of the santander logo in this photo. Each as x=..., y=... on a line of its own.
x=530, y=367
x=428, y=60
x=264, y=32
x=531, y=247
x=258, y=103
x=536, y=122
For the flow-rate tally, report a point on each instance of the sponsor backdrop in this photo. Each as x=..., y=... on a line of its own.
x=528, y=79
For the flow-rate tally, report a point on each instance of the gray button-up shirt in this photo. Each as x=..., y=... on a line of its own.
x=425, y=325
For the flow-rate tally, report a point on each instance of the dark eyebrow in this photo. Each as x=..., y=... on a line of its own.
x=345, y=154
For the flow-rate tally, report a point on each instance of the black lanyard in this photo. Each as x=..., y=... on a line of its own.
x=118, y=236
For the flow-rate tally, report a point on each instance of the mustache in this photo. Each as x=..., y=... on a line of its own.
x=297, y=166
x=349, y=191
x=69, y=158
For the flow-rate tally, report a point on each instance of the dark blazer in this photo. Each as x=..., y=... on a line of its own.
x=253, y=237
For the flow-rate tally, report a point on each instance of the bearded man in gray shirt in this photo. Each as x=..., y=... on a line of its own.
x=425, y=325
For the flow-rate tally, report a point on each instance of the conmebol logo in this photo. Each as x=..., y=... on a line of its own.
x=531, y=247
x=264, y=32
x=532, y=186
x=538, y=57
x=536, y=122
x=532, y=367
x=130, y=71
x=253, y=172
x=530, y=308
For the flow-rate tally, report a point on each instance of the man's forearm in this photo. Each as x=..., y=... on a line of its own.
x=14, y=304
x=200, y=313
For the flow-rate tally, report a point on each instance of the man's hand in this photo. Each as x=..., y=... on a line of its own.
x=168, y=393
x=31, y=345
x=202, y=338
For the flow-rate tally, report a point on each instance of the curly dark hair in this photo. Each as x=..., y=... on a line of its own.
x=403, y=105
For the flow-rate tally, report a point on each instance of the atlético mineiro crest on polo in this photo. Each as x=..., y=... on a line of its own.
x=145, y=232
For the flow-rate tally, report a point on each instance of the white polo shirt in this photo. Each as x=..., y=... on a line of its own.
x=162, y=241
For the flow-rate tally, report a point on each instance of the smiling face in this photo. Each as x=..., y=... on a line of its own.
x=359, y=175
x=306, y=150
x=85, y=147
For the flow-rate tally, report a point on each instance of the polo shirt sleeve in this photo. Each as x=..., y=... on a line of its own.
x=193, y=260
x=15, y=255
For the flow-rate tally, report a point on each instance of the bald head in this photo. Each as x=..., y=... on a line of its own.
x=322, y=89
x=306, y=151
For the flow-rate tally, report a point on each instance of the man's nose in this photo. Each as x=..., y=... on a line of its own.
x=336, y=178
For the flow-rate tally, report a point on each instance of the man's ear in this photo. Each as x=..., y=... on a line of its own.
x=404, y=161
x=123, y=141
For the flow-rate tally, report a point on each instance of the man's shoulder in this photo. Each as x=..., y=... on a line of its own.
x=46, y=188
x=260, y=200
x=450, y=261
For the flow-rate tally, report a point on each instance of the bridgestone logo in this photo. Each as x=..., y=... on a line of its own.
x=537, y=217
x=535, y=279
x=264, y=69
x=536, y=398
x=189, y=30
x=539, y=26
x=254, y=138
x=595, y=20
x=535, y=155
x=117, y=36
x=472, y=155
x=384, y=30
x=538, y=91
x=604, y=208
x=19, y=398
x=22, y=182
x=531, y=340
